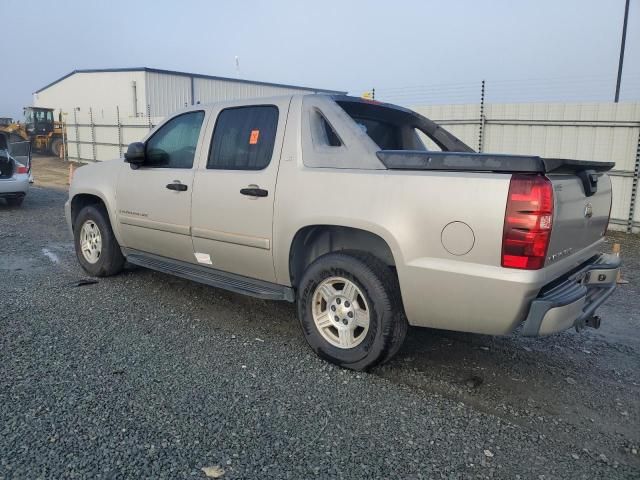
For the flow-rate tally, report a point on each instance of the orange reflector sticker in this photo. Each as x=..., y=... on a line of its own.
x=253, y=138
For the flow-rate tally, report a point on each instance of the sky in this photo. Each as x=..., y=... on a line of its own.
x=410, y=51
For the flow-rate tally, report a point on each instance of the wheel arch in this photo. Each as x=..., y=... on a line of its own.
x=313, y=241
x=81, y=200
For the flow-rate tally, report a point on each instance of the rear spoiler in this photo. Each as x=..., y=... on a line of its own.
x=485, y=162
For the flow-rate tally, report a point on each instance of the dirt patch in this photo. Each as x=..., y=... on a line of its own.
x=52, y=171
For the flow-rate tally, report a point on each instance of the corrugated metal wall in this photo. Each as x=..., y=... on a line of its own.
x=208, y=91
x=591, y=131
x=105, y=110
x=167, y=93
x=140, y=93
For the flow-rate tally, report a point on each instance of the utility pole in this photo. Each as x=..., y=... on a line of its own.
x=482, y=121
x=624, y=38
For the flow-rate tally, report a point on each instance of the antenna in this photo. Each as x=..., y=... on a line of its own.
x=237, y=66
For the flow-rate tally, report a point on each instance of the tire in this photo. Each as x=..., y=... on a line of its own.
x=15, y=201
x=56, y=145
x=378, y=295
x=109, y=260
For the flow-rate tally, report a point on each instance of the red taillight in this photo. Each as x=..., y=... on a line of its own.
x=20, y=168
x=527, y=222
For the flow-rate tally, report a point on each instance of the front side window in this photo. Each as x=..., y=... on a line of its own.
x=174, y=144
x=243, y=138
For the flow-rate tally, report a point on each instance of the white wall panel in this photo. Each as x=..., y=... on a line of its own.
x=100, y=91
x=591, y=131
x=209, y=90
x=111, y=99
x=167, y=93
x=621, y=197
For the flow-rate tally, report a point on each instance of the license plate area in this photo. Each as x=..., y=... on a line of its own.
x=600, y=276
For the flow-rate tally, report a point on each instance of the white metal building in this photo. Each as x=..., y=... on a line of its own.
x=142, y=91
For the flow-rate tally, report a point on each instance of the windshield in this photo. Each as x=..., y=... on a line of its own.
x=43, y=115
x=31, y=116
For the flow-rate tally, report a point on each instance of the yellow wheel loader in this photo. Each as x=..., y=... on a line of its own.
x=39, y=128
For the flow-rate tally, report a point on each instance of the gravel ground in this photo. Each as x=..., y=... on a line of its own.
x=145, y=375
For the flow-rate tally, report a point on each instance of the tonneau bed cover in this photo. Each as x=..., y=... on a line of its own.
x=485, y=162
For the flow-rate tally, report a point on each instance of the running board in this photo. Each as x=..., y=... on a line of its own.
x=211, y=276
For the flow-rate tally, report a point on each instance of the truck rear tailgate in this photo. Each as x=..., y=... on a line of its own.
x=581, y=190
x=579, y=220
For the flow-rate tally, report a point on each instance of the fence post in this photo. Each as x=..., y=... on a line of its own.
x=93, y=134
x=65, y=139
x=482, y=119
x=634, y=188
x=75, y=121
x=119, y=131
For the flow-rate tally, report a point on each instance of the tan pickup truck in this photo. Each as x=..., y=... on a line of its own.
x=368, y=215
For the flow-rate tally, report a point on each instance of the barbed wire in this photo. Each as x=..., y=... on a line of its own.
x=592, y=88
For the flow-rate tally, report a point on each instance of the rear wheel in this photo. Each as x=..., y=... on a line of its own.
x=350, y=310
x=97, y=249
x=56, y=147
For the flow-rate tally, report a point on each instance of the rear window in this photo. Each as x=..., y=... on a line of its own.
x=390, y=129
x=243, y=138
x=386, y=135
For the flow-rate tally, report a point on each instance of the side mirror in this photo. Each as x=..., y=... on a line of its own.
x=135, y=154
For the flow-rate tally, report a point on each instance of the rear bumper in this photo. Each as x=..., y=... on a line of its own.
x=16, y=186
x=573, y=301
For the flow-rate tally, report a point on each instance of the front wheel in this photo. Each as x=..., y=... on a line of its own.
x=350, y=310
x=56, y=147
x=97, y=249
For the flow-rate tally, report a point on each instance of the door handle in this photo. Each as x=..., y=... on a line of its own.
x=177, y=186
x=254, y=191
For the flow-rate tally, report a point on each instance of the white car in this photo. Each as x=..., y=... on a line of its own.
x=15, y=166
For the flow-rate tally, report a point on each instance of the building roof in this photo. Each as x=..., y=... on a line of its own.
x=187, y=74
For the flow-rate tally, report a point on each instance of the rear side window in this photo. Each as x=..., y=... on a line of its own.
x=322, y=132
x=243, y=138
